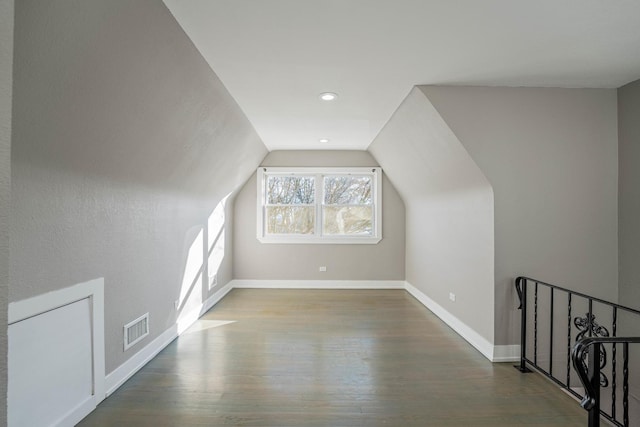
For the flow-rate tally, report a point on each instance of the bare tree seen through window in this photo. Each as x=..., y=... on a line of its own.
x=290, y=204
x=348, y=205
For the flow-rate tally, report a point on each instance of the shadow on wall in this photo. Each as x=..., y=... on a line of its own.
x=204, y=259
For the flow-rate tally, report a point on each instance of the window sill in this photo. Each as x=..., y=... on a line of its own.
x=320, y=240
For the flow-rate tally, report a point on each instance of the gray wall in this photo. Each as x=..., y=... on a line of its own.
x=629, y=193
x=449, y=211
x=6, y=62
x=125, y=141
x=255, y=260
x=551, y=156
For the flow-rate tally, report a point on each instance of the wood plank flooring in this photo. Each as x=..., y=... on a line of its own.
x=281, y=358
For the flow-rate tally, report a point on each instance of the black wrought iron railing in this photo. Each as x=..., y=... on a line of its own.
x=589, y=351
x=574, y=340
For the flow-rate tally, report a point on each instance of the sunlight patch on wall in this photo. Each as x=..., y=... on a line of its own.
x=203, y=261
x=192, y=269
x=216, y=241
x=216, y=222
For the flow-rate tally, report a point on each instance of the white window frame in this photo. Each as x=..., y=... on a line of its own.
x=319, y=172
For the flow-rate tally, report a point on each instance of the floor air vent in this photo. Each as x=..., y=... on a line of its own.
x=136, y=330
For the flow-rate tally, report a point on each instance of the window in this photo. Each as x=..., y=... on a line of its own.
x=319, y=205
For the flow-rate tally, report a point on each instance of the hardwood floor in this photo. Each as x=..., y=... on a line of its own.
x=329, y=358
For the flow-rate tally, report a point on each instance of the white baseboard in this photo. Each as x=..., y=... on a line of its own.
x=504, y=353
x=501, y=353
x=216, y=297
x=187, y=319
x=77, y=414
x=319, y=284
x=125, y=371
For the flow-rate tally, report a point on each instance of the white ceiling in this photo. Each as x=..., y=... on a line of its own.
x=276, y=56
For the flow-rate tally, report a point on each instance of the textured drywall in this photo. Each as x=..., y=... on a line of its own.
x=629, y=193
x=449, y=211
x=255, y=260
x=6, y=61
x=125, y=142
x=551, y=157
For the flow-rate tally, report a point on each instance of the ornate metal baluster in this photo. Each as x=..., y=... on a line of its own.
x=594, y=374
x=551, y=334
x=587, y=325
x=591, y=317
x=587, y=365
x=569, y=342
x=613, y=365
x=625, y=383
x=535, y=325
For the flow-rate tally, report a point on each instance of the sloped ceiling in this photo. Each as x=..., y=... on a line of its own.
x=276, y=56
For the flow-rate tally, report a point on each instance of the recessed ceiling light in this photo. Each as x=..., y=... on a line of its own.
x=324, y=140
x=328, y=96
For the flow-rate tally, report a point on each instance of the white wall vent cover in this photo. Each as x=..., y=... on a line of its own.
x=136, y=330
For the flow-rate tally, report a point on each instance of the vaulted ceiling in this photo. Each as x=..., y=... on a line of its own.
x=276, y=57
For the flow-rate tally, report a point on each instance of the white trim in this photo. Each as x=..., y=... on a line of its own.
x=319, y=284
x=495, y=353
x=94, y=291
x=503, y=353
x=74, y=416
x=125, y=371
x=475, y=339
x=333, y=240
x=506, y=353
x=185, y=320
x=375, y=172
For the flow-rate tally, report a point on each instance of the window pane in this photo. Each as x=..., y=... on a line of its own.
x=347, y=220
x=290, y=190
x=347, y=190
x=290, y=219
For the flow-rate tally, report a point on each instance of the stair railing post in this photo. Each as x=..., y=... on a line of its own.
x=594, y=379
x=521, y=288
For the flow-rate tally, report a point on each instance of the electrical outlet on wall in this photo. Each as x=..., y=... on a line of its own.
x=213, y=280
x=176, y=304
x=323, y=268
x=452, y=296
